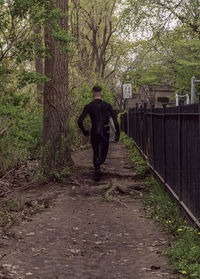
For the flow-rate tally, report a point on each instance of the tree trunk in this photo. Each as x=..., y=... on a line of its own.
x=56, y=108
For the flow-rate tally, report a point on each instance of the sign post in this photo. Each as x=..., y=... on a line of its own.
x=127, y=91
x=127, y=94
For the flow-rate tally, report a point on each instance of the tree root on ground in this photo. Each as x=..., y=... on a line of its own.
x=116, y=189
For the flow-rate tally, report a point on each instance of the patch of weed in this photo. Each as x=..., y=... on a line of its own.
x=14, y=204
x=41, y=206
x=103, y=198
x=141, y=168
x=8, y=211
x=108, y=186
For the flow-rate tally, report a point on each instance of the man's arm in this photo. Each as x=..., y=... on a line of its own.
x=114, y=117
x=80, y=121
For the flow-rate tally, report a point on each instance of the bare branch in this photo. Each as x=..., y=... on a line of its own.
x=76, y=86
x=5, y=130
x=113, y=69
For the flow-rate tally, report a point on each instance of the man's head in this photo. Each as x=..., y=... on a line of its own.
x=97, y=92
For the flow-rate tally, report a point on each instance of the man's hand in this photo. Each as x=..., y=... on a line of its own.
x=86, y=133
x=117, y=138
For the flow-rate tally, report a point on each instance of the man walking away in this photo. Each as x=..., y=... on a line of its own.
x=100, y=113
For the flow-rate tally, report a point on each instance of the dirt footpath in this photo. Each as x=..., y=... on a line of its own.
x=89, y=235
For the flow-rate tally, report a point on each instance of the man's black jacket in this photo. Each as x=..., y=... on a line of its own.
x=100, y=112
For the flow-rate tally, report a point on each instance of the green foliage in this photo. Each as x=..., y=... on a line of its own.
x=127, y=141
x=108, y=186
x=14, y=204
x=168, y=53
x=140, y=167
x=60, y=176
x=172, y=60
x=19, y=19
x=24, y=139
x=107, y=94
x=163, y=208
x=7, y=209
x=26, y=77
x=185, y=252
x=62, y=35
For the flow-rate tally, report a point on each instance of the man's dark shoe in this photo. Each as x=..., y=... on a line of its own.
x=97, y=164
x=97, y=174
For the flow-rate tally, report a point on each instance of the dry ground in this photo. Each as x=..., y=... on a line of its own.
x=82, y=229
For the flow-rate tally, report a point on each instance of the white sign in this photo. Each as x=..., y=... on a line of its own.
x=127, y=91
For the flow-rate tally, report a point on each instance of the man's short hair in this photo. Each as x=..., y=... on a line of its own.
x=97, y=89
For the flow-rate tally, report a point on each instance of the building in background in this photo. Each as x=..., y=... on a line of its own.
x=157, y=96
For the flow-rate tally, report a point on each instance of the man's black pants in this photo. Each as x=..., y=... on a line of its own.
x=100, y=150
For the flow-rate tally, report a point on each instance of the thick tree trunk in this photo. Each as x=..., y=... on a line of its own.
x=56, y=108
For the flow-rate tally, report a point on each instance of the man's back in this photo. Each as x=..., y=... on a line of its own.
x=99, y=112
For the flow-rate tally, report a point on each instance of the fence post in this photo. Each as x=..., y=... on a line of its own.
x=181, y=103
x=199, y=113
x=193, y=90
x=136, y=124
x=132, y=123
x=128, y=120
x=152, y=134
x=164, y=142
x=140, y=126
x=145, y=129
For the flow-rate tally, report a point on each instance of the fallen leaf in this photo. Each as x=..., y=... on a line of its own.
x=29, y=273
x=30, y=234
x=74, y=251
x=99, y=242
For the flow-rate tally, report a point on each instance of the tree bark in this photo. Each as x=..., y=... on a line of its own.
x=56, y=108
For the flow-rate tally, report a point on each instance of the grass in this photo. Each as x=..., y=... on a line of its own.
x=140, y=166
x=184, y=248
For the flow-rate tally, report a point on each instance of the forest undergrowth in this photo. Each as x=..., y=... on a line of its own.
x=22, y=116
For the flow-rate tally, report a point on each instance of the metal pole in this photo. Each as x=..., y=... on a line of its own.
x=145, y=135
x=128, y=128
x=176, y=100
x=136, y=125
x=164, y=141
x=179, y=150
x=193, y=90
x=152, y=138
x=188, y=99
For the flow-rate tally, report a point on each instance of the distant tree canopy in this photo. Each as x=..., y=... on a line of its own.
x=107, y=40
x=167, y=48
